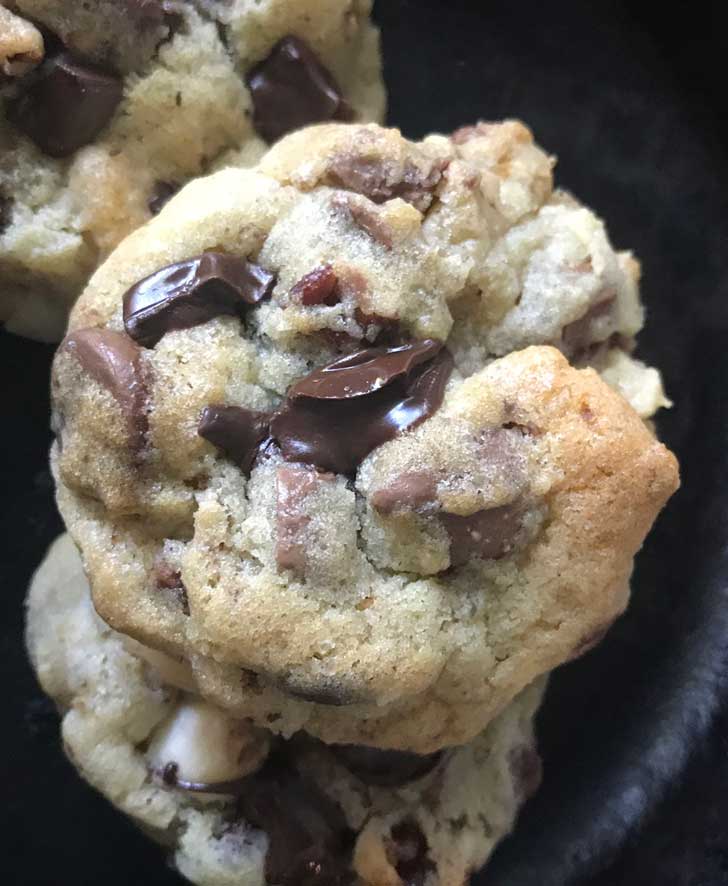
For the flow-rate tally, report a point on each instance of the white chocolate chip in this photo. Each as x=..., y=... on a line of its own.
x=206, y=745
x=171, y=671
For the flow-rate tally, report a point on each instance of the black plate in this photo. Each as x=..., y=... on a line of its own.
x=634, y=108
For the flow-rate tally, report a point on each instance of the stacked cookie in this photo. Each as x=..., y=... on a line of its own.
x=354, y=449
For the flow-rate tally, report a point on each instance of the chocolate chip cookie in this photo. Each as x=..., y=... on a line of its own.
x=318, y=435
x=108, y=107
x=237, y=806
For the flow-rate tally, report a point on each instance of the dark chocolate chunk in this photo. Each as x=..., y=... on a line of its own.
x=364, y=372
x=488, y=534
x=65, y=105
x=338, y=414
x=408, y=850
x=318, y=287
x=191, y=292
x=114, y=361
x=291, y=88
x=385, y=768
x=162, y=193
x=309, y=843
x=381, y=181
x=237, y=431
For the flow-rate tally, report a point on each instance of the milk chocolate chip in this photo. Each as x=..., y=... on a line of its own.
x=385, y=768
x=337, y=415
x=381, y=181
x=488, y=534
x=580, y=334
x=410, y=491
x=291, y=89
x=408, y=851
x=65, y=105
x=318, y=287
x=294, y=485
x=114, y=361
x=191, y=292
x=237, y=431
x=309, y=843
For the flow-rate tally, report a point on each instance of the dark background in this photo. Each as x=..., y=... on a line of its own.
x=634, y=736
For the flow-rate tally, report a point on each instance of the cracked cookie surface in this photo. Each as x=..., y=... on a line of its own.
x=108, y=108
x=235, y=806
x=303, y=441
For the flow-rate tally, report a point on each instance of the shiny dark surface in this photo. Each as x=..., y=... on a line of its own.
x=291, y=88
x=193, y=291
x=634, y=734
x=65, y=104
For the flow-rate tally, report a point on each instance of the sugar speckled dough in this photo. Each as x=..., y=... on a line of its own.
x=126, y=718
x=173, y=99
x=385, y=551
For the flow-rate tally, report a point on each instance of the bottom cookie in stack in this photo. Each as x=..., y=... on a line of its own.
x=238, y=806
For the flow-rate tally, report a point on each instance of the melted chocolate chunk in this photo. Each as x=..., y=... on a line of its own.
x=309, y=843
x=191, y=292
x=114, y=361
x=65, y=105
x=381, y=181
x=338, y=414
x=237, y=431
x=364, y=372
x=291, y=89
x=488, y=534
x=162, y=193
x=386, y=768
x=318, y=287
x=408, y=848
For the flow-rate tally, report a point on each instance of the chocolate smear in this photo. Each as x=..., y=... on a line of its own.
x=291, y=88
x=114, y=361
x=488, y=534
x=334, y=417
x=385, y=768
x=191, y=292
x=524, y=763
x=239, y=432
x=309, y=843
x=318, y=287
x=408, y=851
x=65, y=105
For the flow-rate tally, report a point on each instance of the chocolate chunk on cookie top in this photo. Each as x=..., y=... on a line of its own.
x=114, y=361
x=337, y=415
x=65, y=105
x=291, y=88
x=191, y=292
